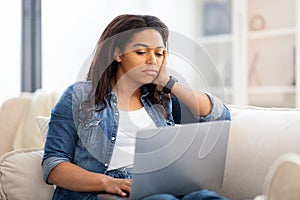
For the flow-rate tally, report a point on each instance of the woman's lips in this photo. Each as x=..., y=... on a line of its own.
x=151, y=72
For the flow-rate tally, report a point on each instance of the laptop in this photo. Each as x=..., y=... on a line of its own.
x=178, y=160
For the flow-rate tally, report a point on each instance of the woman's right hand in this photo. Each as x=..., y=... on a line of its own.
x=73, y=177
x=117, y=186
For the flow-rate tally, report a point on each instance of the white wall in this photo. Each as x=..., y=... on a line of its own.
x=10, y=48
x=71, y=28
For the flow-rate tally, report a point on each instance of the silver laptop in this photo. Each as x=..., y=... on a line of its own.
x=178, y=160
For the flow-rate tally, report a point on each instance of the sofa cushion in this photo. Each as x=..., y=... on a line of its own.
x=42, y=123
x=20, y=176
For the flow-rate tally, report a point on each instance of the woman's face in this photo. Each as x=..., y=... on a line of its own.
x=142, y=58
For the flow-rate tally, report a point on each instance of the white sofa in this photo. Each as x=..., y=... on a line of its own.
x=258, y=136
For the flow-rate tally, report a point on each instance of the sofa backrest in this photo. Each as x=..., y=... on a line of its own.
x=18, y=128
x=11, y=113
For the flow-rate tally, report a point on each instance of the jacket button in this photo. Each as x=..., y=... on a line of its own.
x=113, y=138
x=105, y=164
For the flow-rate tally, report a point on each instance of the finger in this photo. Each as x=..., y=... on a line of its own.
x=165, y=58
x=125, y=181
x=128, y=181
x=126, y=185
x=165, y=53
x=126, y=188
x=121, y=193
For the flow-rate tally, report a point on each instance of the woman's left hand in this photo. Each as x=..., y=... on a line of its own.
x=162, y=77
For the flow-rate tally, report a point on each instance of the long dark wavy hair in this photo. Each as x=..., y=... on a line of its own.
x=117, y=34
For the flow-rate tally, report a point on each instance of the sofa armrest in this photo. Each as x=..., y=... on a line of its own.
x=20, y=176
x=258, y=136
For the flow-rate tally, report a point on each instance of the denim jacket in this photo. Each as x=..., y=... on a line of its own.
x=86, y=138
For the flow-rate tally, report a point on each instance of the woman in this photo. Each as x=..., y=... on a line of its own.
x=90, y=142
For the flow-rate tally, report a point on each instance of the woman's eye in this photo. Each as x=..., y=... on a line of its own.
x=140, y=52
x=159, y=54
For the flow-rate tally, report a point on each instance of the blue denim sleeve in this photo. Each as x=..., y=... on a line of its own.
x=61, y=137
x=219, y=110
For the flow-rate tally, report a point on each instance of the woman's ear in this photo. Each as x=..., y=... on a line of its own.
x=118, y=59
x=117, y=54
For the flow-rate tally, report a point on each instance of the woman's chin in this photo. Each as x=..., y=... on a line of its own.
x=147, y=82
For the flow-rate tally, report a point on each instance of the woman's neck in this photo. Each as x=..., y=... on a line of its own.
x=128, y=95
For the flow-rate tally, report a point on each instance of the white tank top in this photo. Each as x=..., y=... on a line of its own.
x=129, y=123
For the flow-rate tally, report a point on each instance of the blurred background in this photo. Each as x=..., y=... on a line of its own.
x=244, y=51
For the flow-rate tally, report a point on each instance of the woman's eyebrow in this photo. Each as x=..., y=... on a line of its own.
x=146, y=46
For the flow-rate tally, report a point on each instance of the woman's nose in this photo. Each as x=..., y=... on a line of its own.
x=151, y=59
